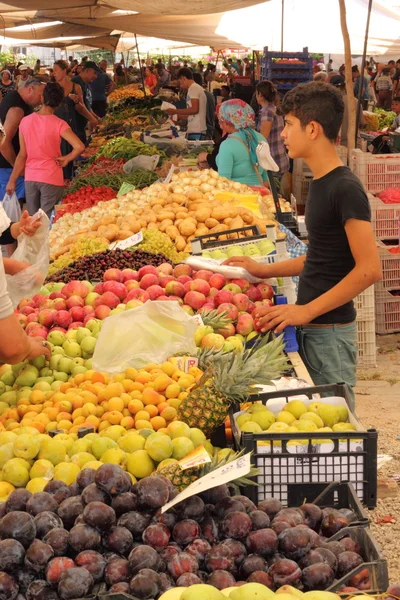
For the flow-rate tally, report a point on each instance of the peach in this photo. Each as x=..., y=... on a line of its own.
x=116, y=288
x=175, y=288
x=113, y=275
x=227, y=331
x=154, y=291
x=101, y=312
x=77, y=313
x=230, y=310
x=184, y=279
x=137, y=294
x=217, y=281
x=59, y=304
x=245, y=324
x=195, y=299
x=147, y=270
x=165, y=279
x=129, y=274
x=253, y=293
x=266, y=291
x=182, y=269
x=224, y=296
x=132, y=284
x=73, y=288
x=203, y=274
x=241, y=301
x=148, y=280
x=199, y=285
x=165, y=268
x=74, y=301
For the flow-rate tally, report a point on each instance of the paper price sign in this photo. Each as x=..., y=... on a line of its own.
x=229, y=472
x=125, y=188
x=197, y=318
x=133, y=240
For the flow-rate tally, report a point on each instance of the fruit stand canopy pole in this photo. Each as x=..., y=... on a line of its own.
x=360, y=90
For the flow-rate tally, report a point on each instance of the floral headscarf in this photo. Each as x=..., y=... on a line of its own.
x=238, y=113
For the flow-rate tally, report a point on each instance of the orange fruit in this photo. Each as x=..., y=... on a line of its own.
x=157, y=423
x=143, y=377
x=130, y=373
x=168, y=368
x=65, y=386
x=115, y=403
x=134, y=406
x=151, y=397
x=41, y=427
x=104, y=425
x=152, y=410
x=172, y=390
x=51, y=412
x=80, y=378
x=88, y=375
x=115, y=417
x=127, y=422
x=112, y=390
x=142, y=415
x=140, y=424
x=98, y=377
x=37, y=397
x=137, y=386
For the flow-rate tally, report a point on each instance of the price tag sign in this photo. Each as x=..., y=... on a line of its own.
x=198, y=320
x=197, y=457
x=133, y=240
x=170, y=173
x=229, y=472
x=124, y=189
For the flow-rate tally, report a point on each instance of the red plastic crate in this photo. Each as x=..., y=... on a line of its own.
x=385, y=218
x=387, y=312
x=375, y=171
x=390, y=265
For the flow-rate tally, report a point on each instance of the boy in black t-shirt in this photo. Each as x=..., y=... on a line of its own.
x=342, y=258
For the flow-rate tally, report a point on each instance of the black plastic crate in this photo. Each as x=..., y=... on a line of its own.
x=289, y=476
x=213, y=240
x=340, y=495
x=375, y=563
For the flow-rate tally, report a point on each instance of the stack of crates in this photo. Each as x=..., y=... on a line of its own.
x=375, y=171
x=366, y=341
x=387, y=291
x=296, y=68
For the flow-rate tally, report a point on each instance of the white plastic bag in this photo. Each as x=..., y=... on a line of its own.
x=12, y=207
x=35, y=250
x=150, y=333
x=141, y=162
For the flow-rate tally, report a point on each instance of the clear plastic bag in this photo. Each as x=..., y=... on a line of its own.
x=12, y=207
x=35, y=250
x=147, y=334
x=141, y=162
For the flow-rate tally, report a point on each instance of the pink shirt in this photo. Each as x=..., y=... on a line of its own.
x=42, y=136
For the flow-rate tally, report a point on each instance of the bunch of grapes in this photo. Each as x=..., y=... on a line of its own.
x=156, y=242
x=82, y=247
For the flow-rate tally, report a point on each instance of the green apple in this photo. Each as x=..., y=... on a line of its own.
x=46, y=372
x=8, y=378
x=65, y=365
x=251, y=250
x=88, y=345
x=264, y=419
x=60, y=376
x=296, y=408
x=310, y=416
x=79, y=361
x=58, y=350
x=285, y=417
x=72, y=349
x=329, y=414
x=56, y=337
x=81, y=333
x=39, y=362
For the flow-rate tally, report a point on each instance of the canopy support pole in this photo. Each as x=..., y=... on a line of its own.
x=351, y=101
x=140, y=67
x=282, y=23
x=360, y=90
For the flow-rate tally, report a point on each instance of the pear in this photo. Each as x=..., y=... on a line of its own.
x=289, y=589
x=329, y=414
x=296, y=408
x=322, y=596
x=253, y=591
x=202, y=591
x=173, y=594
x=228, y=590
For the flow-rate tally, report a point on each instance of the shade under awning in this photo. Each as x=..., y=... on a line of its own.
x=66, y=30
x=108, y=42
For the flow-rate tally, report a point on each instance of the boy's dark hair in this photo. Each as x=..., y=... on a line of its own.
x=185, y=72
x=354, y=69
x=53, y=95
x=396, y=99
x=267, y=90
x=197, y=78
x=316, y=101
x=226, y=87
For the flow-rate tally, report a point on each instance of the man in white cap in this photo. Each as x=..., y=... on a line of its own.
x=23, y=76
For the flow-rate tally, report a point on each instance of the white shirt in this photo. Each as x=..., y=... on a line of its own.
x=197, y=123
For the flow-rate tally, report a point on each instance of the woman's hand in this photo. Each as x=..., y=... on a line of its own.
x=38, y=347
x=28, y=225
x=202, y=157
x=62, y=161
x=10, y=187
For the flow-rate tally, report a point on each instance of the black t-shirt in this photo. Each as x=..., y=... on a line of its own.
x=396, y=76
x=12, y=100
x=81, y=121
x=332, y=200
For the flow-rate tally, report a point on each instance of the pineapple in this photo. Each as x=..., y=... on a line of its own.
x=215, y=319
x=228, y=379
x=182, y=478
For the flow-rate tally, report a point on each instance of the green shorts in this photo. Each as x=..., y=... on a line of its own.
x=330, y=354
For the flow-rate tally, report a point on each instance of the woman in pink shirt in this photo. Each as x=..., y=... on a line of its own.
x=40, y=136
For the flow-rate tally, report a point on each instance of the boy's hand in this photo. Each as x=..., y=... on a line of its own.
x=28, y=226
x=281, y=316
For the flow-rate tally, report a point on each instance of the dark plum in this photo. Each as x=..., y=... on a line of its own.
x=19, y=526
x=56, y=567
x=156, y=535
x=38, y=555
x=8, y=587
x=117, y=571
x=57, y=538
x=332, y=522
x=347, y=561
x=152, y=492
x=75, y=583
x=247, y=503
x=228, y=505
x=285, y=572
x=144, y=557
x=198, y=548
x=261, y=577
x=169, y=519
x=294, y=516
x=280, y=525
x=237, y=549
x=271, y=506
x=119, y=540
x=92, y=493
x=188, y=579
x=40, y=590
x=24, y=578
x=166, y=582
x=171, y=550
x=99, y=515
x=40, y=502
x=192, y=508
x=221, y=579
x=182, y=563
x=74, y=489
x=79, y=520
x=93, y=562
x=209, y=529
x=45, y=522
x=53, y=486
x=262, y=541
x=349, y=544
x=186, y=531
x=12, y=555
x=335, y=547
x=122, y=587
x=319, y=555
x=236, y=525
x=69, y=509
x=316, y=540
x=145, y=584
x=124, y=503
x=219, y=558
x=136, y=522
x=2, y=509
x=83, y=537
x=112, y=479
x=215, y=495
x=17, y=500
x=252, y=563
x=294, y=543
x=85, y=478
x=317, y=577
x=312, y=516
x=259, y=519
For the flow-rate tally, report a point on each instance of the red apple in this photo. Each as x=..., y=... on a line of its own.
x=62, y=318
x=183, y=279
x=33, y=318
x=26, y=302
x=195, y=299
x=137, y=294
x=99, y=288
x=265, y=290
x=165, y=269
x=55, y=295
x=245, y=324
x=88, y=309
x=154, y=291
x=129, y=274
x=101, y=312
x=241, y=301
x=75, y=288
x=217, y=281
x=59, y=304
x=39, y=332
x=222, y=297
x=177, y=299
x=203, y=274
x=21, y=319
x=182, y=269
x=132, y=284
x=38, y=299
x=253, y=293
x=28, y=310
x=200, y=285
x=242, y=283
x=116, y=288
x=148, y=280
x=46, y=317
x=230, y=310
x=175, y=288
x=32, y=326
x=165, y=279
x=113, y=275
x=77, y=313
x=75, y=325
x=227, y=331
x=109, y=299
x=75, y=301
x=147, y=270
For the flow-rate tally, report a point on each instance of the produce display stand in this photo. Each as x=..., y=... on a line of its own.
x=296, y=68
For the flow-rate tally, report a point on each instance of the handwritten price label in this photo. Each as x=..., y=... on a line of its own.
x=133, y=240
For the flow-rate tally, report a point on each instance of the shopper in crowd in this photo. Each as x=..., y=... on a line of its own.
x=240, y=67
x=196, y=103
x=210, y=73
x=40, y=136
x=6, y=83
x=87, y=76
x=225, y=93
x=151, y=80
x=342, y=70
x=360, y=81
x=237, y=158
x=164, y=76
x=36, y=69
x=13, y=108
x=71, y=61
x=392, y=66
x=320, y=76
x=270, y=124
x=210, y=108
x=342, y=259
x=119, y=75
x=396, y=109
x=101, y=87
x=396, y=78
x=22, y=77
x=248, y=67
x=73, y=66
x=339, y=82
x=383, y=89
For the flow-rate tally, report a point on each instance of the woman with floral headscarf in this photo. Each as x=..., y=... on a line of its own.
x=237, y=158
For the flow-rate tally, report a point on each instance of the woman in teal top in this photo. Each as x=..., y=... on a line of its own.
x=237, y=158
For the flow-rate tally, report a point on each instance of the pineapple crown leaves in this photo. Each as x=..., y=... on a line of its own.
x=216, y=319
x=233, y=374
